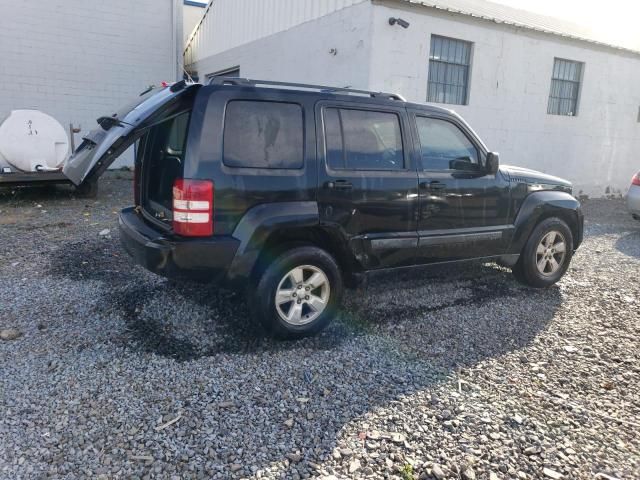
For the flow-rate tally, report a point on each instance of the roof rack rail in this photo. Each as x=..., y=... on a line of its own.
x=247, y=82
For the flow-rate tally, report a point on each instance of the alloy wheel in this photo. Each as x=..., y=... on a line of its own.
x=551, y=253
x=302, y=295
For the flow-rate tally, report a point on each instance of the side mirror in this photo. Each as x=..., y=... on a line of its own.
x=493, y=163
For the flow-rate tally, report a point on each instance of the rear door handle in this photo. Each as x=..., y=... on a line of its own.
x=434, y=185
x=340, y=185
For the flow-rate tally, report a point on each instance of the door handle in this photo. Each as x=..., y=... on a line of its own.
x=340, y=185
x=434, y=185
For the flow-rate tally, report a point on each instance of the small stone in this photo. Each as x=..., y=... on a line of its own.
x=551, y=473
x=105, y=232
x=302, y=399
x=346, y=452
x=397, y=438
x=570, y=349
x=235, y=467
x=469, y=474
x=226, y=404
x=518, y=419
x=10, y=334
x=531, y=450
x=354, y=466
x=294, y=457
x=437, y=472
x=289, y=422
x=495, y=435
x=374, y=435
x=493, y=476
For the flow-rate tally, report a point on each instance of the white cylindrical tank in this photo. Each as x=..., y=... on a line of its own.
x=33, y=141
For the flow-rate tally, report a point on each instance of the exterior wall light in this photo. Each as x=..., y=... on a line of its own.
x=399, y=21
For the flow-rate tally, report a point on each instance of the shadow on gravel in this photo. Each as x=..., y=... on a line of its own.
x=95, y=259
x=408, y=331
x=38, y=193
x=186, y=321
x=110, y=182
x=629, y=244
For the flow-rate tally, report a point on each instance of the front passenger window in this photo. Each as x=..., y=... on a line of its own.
x=444, y=146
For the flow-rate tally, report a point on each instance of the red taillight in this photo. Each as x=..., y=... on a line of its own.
x=636, y=179
x=193, y=207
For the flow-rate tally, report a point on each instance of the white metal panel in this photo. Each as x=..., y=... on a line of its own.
x=230, y=23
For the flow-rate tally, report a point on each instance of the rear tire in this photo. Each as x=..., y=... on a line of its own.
x=298, y=293
x=546, y=256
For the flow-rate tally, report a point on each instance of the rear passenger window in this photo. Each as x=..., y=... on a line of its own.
x=362, y=140
x=263, y=135
x=444, y=146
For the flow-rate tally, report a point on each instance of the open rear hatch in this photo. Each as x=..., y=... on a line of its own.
x=117, y=132
x=160, y=162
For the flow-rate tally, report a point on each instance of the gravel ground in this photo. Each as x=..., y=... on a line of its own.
x=443, y=373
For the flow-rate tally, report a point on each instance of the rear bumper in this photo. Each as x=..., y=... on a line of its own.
x=633, y=200
x=181, y=258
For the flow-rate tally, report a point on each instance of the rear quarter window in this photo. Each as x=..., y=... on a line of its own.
x=261, y=134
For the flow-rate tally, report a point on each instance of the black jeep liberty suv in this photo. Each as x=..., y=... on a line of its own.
x=296, y=191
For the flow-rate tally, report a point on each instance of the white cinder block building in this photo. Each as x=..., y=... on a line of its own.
x=544, y=93
x=77, y=60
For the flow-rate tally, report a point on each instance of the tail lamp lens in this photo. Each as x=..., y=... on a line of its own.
x=636, y=179
x=193, y=207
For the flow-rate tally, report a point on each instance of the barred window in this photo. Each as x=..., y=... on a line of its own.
x=449, y=61
x=565, y=86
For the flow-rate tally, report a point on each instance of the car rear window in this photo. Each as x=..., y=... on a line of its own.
x=261, y=134
x=363, y=140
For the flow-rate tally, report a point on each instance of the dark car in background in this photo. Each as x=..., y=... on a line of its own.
x=294, y=192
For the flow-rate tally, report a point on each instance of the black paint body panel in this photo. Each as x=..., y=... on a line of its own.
x=384, y=219
x=206, y=259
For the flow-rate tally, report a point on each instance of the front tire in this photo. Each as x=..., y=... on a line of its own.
x=299, y=292
x=546, y=256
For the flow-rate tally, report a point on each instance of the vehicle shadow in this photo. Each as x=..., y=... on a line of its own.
x=401, y=334
x=629, y=244
x=45, y=193
x=187, y=321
